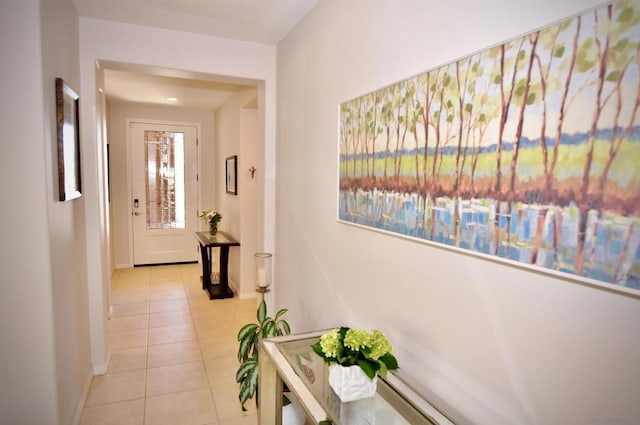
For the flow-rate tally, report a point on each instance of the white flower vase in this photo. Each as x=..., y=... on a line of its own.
x=351, y=383
x=293, y=413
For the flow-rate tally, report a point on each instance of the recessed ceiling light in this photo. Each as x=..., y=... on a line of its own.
x=171, y=99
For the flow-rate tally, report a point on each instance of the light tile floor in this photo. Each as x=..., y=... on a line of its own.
x=173, y=353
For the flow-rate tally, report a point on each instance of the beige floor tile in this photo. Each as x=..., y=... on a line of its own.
x=167, y=334
x=211, y=313
x=132, y=280
x=176, y=378
x=197, y=294
x=163, y=274
x=192, y=280
x=169, y=305
x=115, y=387
x=127, y=323
x=134, y=271
x=130, y=309
x=201, y=305
x=168, y=294
x=130, y=298
x=246, y=317
x=174, y=353
x=190, y=270
x=218, y=346
x=228, y=305
x=221, y=371
x=166, y=284
x=224, y=385
x=131, y=290
x=244, y=420
x=208, y=328
x=195, y=282
x=127, y=339
x=121, y=413
x=228, y=406
x=183, y=408
x=128, y=359
x=140, y=274
x=169, y=318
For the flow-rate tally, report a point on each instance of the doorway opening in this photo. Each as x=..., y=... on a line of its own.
x=218, y=107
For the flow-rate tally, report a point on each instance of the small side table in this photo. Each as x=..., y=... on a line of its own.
x=223, y=241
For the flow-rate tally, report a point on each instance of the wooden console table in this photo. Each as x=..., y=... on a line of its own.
x=291, y=359
x=223, y=241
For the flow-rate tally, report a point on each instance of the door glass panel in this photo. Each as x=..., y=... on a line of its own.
x=164, y=179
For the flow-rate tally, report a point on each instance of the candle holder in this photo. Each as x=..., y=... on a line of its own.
x=262, y=271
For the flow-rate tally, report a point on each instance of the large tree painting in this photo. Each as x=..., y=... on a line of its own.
x=528, y=151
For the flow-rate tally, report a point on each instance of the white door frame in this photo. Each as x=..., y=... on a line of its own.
x=128, y=123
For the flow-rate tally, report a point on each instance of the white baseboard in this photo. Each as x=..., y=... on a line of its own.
x=123, y=266
x=101, y=369
x=241, y=295
x=83, y=400
x=247, y=295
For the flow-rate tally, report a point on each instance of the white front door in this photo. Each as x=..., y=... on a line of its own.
x=164, y=179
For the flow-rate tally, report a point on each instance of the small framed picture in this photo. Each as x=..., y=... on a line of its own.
x=232, y=174
x=68, y=132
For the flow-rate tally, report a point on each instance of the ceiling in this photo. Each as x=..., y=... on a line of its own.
x=259, y=21
x=124, y=85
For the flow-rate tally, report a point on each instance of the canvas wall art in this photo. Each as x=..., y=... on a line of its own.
x=527, y=151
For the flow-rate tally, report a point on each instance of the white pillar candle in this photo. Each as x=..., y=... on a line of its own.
x=262, y=277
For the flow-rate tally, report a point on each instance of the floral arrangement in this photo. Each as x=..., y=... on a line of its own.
x=356, y=347
x=212, y=217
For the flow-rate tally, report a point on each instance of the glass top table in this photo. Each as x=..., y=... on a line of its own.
x=291, y=359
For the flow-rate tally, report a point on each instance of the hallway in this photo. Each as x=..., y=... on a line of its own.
x=173, y=353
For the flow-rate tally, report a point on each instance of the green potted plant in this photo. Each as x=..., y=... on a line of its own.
x=355, y=358
x=249, y=337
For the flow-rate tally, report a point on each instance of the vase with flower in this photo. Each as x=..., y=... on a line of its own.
x=356, y=357
x=212, y=218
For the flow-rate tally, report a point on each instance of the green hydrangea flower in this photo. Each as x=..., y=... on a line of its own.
x=330, y=343
x=380, y=345
x=356, y=339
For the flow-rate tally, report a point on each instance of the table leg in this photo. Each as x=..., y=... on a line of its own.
x=222, y=290
x=205, y=254
x=269, y=392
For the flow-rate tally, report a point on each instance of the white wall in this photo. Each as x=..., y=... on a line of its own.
x=43, y=309
x=235, y=134
x=251, y=155
x=118, y=114
x=488, y=342
x=61, y=58
x=133, y=44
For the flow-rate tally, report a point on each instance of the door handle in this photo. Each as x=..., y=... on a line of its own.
x=136, y=213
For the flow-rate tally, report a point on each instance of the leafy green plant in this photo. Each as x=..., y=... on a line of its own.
x=350, y=347
x=249, y=337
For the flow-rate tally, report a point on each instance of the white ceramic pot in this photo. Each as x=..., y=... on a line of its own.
x=293, y=413
x=351, y=383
